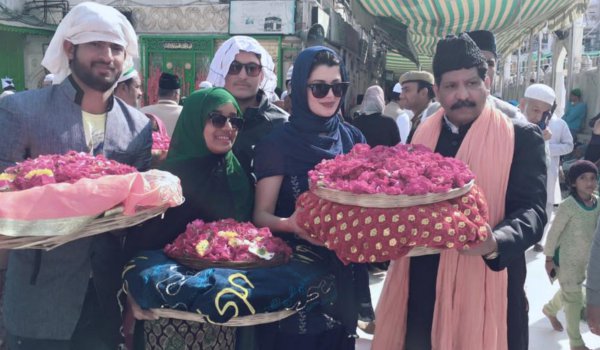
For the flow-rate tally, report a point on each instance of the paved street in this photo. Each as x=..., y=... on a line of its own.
x=539, y=291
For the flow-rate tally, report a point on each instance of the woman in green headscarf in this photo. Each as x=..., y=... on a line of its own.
x=214, y=186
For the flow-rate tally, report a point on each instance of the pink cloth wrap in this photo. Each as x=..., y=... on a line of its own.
x=471, y=300
x=91, y=197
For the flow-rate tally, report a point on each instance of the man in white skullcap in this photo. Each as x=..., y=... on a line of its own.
x=129, y=87
x=48, y=78
x=205, y=85
x=395, y=111
x=538, y=106
x=242, y=66
x=65, y=298
x=8, y=87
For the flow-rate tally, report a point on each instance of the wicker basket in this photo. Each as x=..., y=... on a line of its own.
x=241, y=321
x=111, y=220
x=201, y=264
x=388, y=201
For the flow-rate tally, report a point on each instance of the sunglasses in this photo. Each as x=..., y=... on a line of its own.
x=320, y=90
x=252, y=69
x=218, y=121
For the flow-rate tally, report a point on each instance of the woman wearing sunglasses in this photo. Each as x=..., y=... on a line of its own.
x=315, y=131
x=215, y=187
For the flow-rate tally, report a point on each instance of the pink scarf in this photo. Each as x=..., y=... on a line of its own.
x=471, y=299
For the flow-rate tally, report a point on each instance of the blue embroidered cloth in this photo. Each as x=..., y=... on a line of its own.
x=156, y=281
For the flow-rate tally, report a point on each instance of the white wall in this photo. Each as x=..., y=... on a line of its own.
x=14, y=5
x=33, y=53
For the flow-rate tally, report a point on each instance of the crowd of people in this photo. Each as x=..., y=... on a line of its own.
x=240, y=153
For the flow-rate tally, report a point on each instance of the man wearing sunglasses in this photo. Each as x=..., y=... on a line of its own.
x=245, y=68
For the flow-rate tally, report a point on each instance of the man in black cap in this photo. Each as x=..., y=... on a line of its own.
x=508, y=159
x=167, y=108
x=486, y=41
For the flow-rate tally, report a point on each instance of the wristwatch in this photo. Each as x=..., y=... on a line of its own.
x=491, y=256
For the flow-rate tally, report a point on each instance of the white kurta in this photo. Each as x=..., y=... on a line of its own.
x=560, y=143
x=168, y=111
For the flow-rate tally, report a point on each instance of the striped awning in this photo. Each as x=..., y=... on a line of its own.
x=511, y=20
x=400, y=64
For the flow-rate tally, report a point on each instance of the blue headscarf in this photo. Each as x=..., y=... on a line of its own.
x=308, y=138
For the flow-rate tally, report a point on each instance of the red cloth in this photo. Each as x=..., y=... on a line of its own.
x=373, y=234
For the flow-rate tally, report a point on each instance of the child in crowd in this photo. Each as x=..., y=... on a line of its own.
x=567, y=248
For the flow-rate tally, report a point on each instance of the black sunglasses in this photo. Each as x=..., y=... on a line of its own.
x=320, y=90
x=218, y=120
x=252, y=69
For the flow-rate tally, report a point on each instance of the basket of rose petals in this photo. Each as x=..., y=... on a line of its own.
x=227, y=244
x=378, y=204
x=54, y=199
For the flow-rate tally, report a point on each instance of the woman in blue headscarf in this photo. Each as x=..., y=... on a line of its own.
x=315, y=131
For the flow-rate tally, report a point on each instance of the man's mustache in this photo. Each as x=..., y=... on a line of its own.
x=461, y=104
x=103, y=64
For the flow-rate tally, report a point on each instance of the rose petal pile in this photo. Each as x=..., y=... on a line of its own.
x=160, y=142
x=227, y=240
x=54, y=168
x=398, y=170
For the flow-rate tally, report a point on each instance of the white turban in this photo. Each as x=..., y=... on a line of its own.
x=373, y=101
x=397, y=88
x=541, y=92
x=85, y=23
x=226, y=54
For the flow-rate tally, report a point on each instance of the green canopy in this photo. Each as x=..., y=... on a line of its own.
x=510, y=20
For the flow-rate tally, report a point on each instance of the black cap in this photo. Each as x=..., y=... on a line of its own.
x=485, y=40
x=581, y=167
x=454, y=53
x=169, y=81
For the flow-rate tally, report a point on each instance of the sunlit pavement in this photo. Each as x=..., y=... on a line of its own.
x=539, y=291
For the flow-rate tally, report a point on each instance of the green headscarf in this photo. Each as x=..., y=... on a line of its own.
x=188, y=145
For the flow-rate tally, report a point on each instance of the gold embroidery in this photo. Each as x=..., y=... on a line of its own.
x=243, y=296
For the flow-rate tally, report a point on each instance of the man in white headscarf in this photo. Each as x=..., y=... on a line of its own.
x=242, y=66
x=65, y=298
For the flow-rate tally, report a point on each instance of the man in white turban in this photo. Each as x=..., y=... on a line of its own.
x=65, y=298
x=242, y=66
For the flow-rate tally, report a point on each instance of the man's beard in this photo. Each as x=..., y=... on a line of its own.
x=86, y=76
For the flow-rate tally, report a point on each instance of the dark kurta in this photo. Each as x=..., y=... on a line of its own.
x=378, y=129
x=522, y=227
x=258, y=122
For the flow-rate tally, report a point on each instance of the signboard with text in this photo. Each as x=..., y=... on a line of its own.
x=261, y=17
